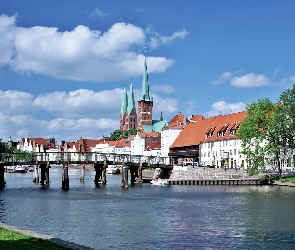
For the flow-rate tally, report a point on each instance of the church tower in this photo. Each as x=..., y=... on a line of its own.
x=145, y=102
x=128, y=116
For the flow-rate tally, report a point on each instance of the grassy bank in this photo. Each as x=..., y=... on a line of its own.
x=10, y=239
x=288, y=179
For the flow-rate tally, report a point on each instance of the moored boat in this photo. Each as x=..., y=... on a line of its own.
x=113, y=169
x=159, y=182
x=20, y=169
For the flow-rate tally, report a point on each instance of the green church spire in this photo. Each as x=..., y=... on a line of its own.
x=131, y=102
x=145, y=94
x=124, y=102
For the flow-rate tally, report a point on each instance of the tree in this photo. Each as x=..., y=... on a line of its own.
x=267, y=133
x=118, y=134
x=281, y=132
x=253, y=133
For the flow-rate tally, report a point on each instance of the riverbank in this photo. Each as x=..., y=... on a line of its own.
x=14, y=238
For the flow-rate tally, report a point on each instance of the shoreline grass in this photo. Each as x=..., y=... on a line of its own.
x=288, y=179
x=10, y=239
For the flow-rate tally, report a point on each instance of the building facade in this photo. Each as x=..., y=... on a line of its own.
x=210, y=141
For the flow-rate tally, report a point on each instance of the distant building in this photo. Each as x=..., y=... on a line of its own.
x=170, y=132
x=36, y=144
x=142, y=120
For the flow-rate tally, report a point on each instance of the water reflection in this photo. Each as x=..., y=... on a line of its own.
x=150, y=217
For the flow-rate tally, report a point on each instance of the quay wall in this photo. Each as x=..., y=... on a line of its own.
x=211, y=176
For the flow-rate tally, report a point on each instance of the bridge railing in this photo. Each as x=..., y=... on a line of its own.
x=89, y=157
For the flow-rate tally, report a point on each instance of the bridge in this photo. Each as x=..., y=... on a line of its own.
x=100, y=161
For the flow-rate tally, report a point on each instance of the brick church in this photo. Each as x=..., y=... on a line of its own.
x=143, y=119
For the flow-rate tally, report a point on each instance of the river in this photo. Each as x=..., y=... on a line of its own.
x=151, y=217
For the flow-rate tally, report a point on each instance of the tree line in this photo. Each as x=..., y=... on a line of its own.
x=267, y=133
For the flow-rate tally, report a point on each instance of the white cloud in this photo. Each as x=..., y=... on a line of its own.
x=222, y=107
x=15, y=102
x=287, y=83
x=82, y=103
x=80, y=54
x=225, y=76
x=167, y=89
x=249, y=81
x=21, y=126
x=166, y=105
x=98, y=12
x=190, y=107
x=84, y=113
x=6, y=38
x=157, y=39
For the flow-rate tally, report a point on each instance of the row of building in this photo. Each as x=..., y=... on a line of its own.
x=195, y=140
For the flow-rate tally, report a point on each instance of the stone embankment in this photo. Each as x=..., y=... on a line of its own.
x=211, y=176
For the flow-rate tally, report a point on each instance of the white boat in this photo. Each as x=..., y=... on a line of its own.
x=159, y=182
x=20, y=169
x=113, y=169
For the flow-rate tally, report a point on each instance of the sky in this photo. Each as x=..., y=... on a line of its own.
x=64, y=64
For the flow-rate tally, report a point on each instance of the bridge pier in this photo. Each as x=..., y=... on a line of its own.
x=104, y=175
x=82, y=173
x=65, y=177
x=44, y=175
x=36, y=174
x=124, y=182
x=2, y=181
x=133, y=174
x=98, y=173
x=139, y=177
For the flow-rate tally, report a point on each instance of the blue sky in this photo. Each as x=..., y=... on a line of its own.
x=64, y=64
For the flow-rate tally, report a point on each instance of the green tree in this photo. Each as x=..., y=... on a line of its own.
x=267, y=133
x=281, y=132
x=131, y=131
x=253, y=133
x=118, y=134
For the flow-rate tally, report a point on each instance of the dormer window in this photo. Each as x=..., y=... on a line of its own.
x=179, y=123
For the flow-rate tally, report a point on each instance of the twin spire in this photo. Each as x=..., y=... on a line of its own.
x=128, y=102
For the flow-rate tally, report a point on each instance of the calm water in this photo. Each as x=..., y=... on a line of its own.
x=151, y=217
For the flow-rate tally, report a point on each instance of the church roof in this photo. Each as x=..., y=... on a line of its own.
x=156, y=126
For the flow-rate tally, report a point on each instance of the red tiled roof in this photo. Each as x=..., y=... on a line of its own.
x=195, y=132
x=154, y=145
x=47, y=143
x=197, y=118
x=179, y=121
x=149, y=134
